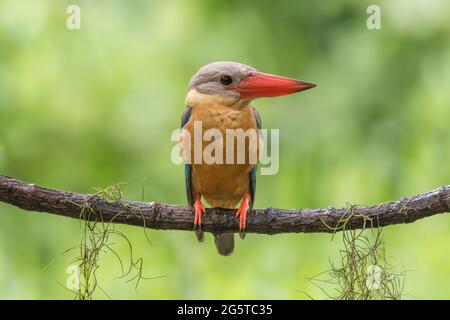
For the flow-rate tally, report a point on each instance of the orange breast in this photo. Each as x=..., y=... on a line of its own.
x=223, y=184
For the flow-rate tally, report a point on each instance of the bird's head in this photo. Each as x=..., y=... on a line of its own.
x=237, y=84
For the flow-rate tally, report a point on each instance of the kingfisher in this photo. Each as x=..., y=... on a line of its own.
x=219, y=97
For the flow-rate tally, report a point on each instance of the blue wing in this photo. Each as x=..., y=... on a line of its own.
x=253, y=171
x=187, y=167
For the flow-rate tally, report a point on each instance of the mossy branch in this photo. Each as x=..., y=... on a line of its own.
x=156, y=215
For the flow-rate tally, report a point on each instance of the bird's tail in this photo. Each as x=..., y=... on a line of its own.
x=224, y=243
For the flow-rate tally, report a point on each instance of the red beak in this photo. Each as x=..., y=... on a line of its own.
x=259, y=85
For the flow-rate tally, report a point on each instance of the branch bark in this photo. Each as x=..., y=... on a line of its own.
x=156, y=215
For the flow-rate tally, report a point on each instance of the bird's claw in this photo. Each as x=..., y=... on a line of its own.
x=199, y=210
x=242, y=214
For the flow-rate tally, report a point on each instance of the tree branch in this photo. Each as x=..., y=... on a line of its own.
x=156, y=215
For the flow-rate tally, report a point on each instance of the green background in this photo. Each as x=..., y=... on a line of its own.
x=96, y=106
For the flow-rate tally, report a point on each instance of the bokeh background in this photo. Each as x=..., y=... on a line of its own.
x=92, y=107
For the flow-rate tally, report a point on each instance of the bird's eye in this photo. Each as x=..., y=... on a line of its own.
x=226, y=80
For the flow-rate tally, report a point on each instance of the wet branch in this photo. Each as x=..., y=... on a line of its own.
x=156, y=215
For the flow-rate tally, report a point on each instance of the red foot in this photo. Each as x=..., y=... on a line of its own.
x=199, y=209
x=242, y=212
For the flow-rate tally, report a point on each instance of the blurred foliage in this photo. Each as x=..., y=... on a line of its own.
x=93, y=107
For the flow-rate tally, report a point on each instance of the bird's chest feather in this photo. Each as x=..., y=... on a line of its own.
x=227, y=180
x=222, y=118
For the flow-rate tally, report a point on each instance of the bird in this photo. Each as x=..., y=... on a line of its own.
x=219, y=97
